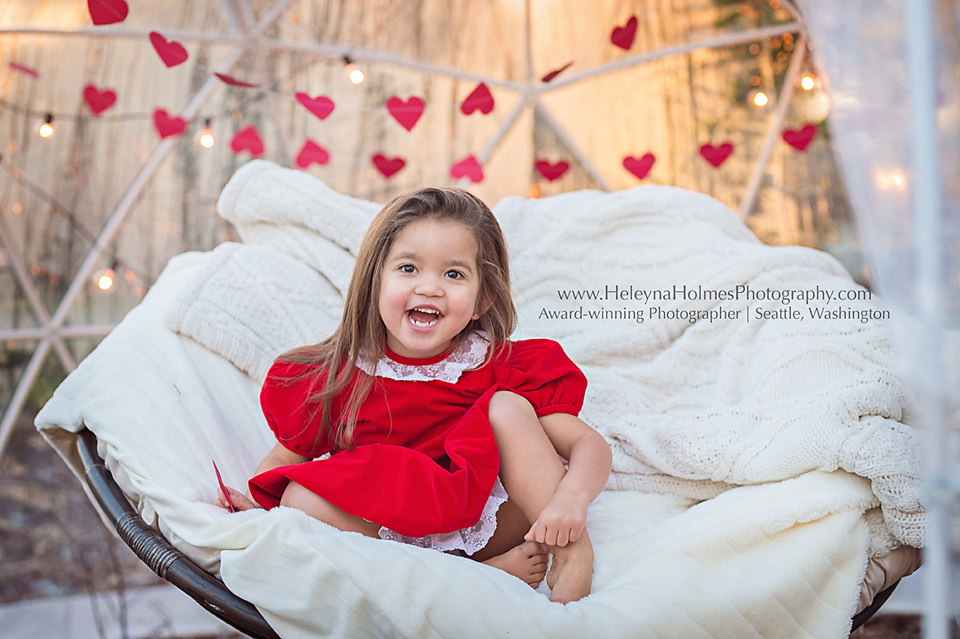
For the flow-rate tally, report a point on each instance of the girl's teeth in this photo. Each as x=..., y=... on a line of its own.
x=426, y=318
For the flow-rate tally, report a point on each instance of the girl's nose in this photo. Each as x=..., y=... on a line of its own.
x=428, y=286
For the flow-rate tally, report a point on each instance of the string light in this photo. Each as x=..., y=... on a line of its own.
x=104, y=278
x=46, y=129
x=355, y=74
x=206, y=135
x=807, y=82
x=760, y=99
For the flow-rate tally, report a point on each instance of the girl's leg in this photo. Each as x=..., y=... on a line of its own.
x=296, y=496
x=531, y=470
x=507, y=550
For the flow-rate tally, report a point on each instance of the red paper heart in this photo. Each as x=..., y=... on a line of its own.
x=468, y=167
x=170, y=51
x=551, y=171
x=639, y=166
x=716, y=155
x=321, y=106
x=167, y=126
x=479, y=98
x=247, y=139
x=800, y=139
x=22, y=68
x=107, y=11
x=556, y=72
x=623, y=36
x=98, y=101
x=233, y=81
x=406, y=113
x=312, y=152
x=387, y=166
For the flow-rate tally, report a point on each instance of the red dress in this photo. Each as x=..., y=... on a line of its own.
x=424, y=459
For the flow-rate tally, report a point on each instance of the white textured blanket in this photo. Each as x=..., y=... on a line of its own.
x=691, y=409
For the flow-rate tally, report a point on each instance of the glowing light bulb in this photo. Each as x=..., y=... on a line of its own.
x=891, y=180
x=206, y=135
x=760, y=99
x=46, y=129
x=355, y=74
x=105, y=278
x=807, y=82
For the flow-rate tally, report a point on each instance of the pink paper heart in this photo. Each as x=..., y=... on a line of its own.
x=639, y=166
x=98, y=101
x=167, y=126
x=716, y=155
x=556, y=72
x=312, y=152
x=551, y=171
x=22, y=68
x=623, y=36
x=480, y=98
x=247, y=139
x=800, y=139
x=107, y=11
x=233, y=81
x=170, y=51
x=468, y=167
x=388, y=166
x=406, y=113
x=321, y=106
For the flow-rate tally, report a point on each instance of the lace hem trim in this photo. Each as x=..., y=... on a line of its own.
x=468, y=540
x=469, y=354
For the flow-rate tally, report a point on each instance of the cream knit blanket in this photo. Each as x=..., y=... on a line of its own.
x=690, y=407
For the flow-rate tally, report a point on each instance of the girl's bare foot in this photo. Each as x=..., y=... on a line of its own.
x=572, y=570
x=527, y=562
x=238, y=499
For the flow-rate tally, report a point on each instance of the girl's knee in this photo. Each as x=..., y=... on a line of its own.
x=509, y=409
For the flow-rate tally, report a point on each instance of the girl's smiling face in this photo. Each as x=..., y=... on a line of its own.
x=429, y=287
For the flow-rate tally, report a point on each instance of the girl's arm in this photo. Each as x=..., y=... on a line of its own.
x=280, y=455
x=590, y=459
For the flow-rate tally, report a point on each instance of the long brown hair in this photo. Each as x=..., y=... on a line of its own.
x=362, y=333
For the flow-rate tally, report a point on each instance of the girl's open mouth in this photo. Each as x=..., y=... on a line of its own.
x=423, y=316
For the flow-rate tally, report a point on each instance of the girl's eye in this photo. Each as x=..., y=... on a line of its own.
x=408, y=268
x=455, y=275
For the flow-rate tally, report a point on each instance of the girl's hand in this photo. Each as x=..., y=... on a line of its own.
x=240, y=501
x=561, y=522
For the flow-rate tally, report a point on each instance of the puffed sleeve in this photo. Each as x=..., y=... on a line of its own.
x=294, y=422
x=539, y=371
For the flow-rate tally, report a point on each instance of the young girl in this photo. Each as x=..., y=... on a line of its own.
x=441, y=432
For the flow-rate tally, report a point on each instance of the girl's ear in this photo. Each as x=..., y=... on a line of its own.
x=484, y=305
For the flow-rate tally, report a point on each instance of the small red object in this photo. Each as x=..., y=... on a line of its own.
x=800, y=139
x=388, y=166
x=468, y=167
x=623, y=36
x=247, y=139
x=312, y=152
x=107, y=11
x=639, y=166
x=226, y=494
x=716, y=155
x=98, y=101
x=406, y=112
x=551, y=171
x=321, y=106
x=167, y=126
x=22, y=68
x=170, y=51
x=556, y=72
x=480, y=98
x=233, y=81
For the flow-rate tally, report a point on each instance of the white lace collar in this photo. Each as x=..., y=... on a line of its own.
x=469, y=354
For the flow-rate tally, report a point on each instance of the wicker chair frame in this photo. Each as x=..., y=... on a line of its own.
x=171, y=564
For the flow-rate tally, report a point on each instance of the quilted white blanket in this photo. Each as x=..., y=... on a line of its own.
x=753, y=411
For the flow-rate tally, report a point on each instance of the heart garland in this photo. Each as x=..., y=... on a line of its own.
x=247, y=139
x=107, y=11
x=387, y=166
x=623, y=36
x=551, y=171
x=556, y=72
x=98, y=101
x=716, y=155
x=170, y=51
x=22, y=68
x=640, y=167
x=479, y=99
x=167, y=126
x=800, y=139
x=321, y=106
x=311, y=153
x=233, y=81
x=406, y=112
x=469, y=167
